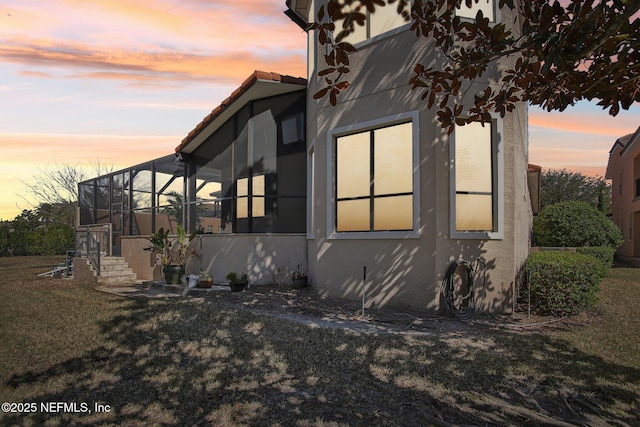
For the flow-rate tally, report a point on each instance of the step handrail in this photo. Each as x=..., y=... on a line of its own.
x=88, y=245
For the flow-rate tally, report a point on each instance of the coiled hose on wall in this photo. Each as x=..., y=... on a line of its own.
x=467, y=307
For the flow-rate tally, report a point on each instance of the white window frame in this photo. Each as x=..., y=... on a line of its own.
x=411, y=117
x=311, y=181
x=312, y=52
x=497, y=142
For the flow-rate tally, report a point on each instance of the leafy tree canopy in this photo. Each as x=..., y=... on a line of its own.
x=31, y=234
x=563, y=53
x=564, y=186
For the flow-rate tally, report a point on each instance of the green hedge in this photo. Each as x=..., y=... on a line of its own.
x=604, y=254
x=574, y=224
x=563, y=283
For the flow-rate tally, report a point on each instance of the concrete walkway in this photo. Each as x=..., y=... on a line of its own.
x=158, y=290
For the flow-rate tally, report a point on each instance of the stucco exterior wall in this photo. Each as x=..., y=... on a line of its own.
x=256, y=254
x=142, y=262
x=82, y=271
x=407, y=273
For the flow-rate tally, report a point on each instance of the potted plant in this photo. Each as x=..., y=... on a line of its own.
x=172, y=252
x=205, y=280
x=237, y=282
x=298, y=278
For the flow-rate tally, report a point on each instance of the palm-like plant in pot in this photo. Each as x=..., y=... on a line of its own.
x=172, y=252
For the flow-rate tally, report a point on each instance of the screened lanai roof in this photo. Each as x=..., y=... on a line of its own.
x=194, y=186
x=260, y=84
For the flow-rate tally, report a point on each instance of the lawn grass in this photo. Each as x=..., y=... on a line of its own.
x=194, y=362
x=613, y=331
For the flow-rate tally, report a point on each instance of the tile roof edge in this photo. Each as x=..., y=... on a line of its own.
x=626, y=141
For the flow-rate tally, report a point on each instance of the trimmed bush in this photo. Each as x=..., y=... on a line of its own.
x=574, y=224
x=604, y=254
x=563, y=283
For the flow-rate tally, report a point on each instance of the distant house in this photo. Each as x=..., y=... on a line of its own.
x=273, y=177
x=623, y=170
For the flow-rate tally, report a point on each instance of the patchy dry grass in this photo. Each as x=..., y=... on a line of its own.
x=196, y=361
x=612, y=330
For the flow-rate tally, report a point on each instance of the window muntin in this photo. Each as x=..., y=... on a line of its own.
x=374, y=180
x=475, y=181
x=487, y=7
x=257, y=199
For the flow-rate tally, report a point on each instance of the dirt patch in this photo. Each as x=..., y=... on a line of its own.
x=306, y=305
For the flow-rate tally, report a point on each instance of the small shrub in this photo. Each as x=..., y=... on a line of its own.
x=604, y=254
x=563, y=283
x=574, y=224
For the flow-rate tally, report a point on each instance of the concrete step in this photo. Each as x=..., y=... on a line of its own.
x=112, y=260
x=117, y=280
x=115, y=271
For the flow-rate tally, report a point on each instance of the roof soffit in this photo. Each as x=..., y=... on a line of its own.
x=631, y=144
x=301, y=8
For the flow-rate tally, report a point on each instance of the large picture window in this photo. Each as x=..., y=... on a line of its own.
x=374, y=180
x=476, y=163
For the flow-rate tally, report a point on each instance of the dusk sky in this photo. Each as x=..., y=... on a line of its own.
x=120, y=82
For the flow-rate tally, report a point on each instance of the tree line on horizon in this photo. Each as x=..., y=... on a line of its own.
x=49, y=228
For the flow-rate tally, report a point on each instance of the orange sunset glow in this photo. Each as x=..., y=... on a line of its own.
x=120, y=82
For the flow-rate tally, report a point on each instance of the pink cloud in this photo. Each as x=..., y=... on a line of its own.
x=211, y=29
x=30, y=149
x=209, y=26
x=571, y=122
x=79, y=60
x=30, y=73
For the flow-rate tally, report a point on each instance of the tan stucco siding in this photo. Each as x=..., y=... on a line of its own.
x=407, y=273
x=258, y=255
x=625, y=207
